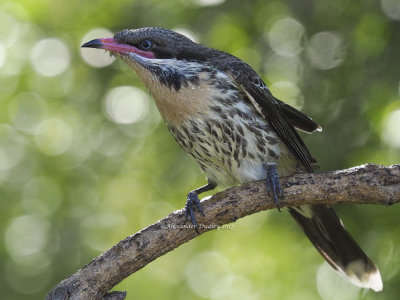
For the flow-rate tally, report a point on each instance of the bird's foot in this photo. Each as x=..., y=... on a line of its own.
x=192, y=202
x=272, y=184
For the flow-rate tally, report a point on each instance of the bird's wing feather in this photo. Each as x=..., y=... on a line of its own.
x=298, y=119
x=281, y=117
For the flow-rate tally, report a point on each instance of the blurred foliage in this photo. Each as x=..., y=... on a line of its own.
x=77, y=174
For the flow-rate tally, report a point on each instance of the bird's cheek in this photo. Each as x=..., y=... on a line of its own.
x=144, y=54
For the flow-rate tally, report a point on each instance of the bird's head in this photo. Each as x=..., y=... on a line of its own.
x=149, y=43
x=154, y=52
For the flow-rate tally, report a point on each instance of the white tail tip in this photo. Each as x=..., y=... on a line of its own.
x=374, y=281
x=367, y=280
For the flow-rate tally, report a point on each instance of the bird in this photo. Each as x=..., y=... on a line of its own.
x=222, y=113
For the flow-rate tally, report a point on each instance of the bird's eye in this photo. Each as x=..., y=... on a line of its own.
x=146, y=45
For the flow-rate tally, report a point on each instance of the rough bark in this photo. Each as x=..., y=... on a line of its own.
x=367, y=184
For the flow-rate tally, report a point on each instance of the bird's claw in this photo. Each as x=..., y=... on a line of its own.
x=272, y=184
x=192, y=202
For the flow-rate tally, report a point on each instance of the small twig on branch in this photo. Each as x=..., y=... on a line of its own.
x=367, y=184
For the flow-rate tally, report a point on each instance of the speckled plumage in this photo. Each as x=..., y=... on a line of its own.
x=221, y=112
x=214, y=122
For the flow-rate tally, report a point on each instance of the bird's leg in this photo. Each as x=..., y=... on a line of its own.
x=193, y=201
x=272, y=183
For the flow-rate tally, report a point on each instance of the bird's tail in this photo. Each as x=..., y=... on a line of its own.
x=325, y=230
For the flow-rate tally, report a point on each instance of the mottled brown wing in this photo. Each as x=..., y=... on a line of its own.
x=275, y=113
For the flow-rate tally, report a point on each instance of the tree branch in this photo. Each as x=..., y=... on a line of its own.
x=367, y=184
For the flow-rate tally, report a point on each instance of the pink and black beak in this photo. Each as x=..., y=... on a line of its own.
x=113, y=46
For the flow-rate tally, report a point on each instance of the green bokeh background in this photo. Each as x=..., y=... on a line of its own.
x=73, y=182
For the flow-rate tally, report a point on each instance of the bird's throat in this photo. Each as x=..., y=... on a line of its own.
x=179, y=95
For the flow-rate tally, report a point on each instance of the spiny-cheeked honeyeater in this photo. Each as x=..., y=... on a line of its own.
x=222, y=113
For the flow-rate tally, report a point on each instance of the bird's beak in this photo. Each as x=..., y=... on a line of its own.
x=111, y=45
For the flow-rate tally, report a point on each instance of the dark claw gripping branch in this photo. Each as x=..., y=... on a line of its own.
x=221, y=113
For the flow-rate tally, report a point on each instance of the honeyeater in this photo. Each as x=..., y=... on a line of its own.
x=221, y=113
